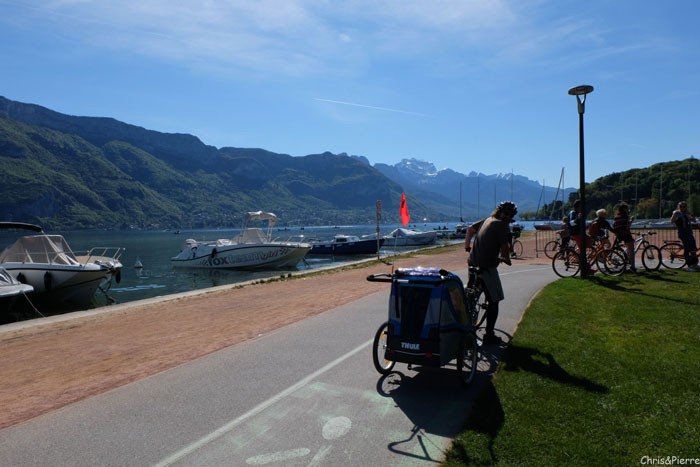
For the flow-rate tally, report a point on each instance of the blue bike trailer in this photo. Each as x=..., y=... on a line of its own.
x=427, y=316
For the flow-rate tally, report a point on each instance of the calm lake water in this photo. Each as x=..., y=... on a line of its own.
x=155, y=248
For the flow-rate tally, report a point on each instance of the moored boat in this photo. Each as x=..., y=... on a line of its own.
x=343, y=244
x=548, y=225
x=409, y=237
x=253, y=248
x=57, y=275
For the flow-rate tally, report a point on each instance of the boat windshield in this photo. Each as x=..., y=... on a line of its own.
x=44, y=249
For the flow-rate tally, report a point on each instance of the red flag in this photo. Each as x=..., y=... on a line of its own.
x=403, y=211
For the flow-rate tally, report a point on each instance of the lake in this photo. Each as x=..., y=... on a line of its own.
x=155, y=248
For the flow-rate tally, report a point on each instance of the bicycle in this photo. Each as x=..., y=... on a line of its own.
x=673, y=254
x=567, y=262
x=552, y=247
x=516, y=249
x=516, y=246
x=477, y=302
x=651, y=254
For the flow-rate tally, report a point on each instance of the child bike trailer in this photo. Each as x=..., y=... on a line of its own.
x=428, y=323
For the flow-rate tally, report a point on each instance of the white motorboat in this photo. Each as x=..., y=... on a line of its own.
x=57, y=275
x=409, y=237
x=11, y=287
x=253, y=248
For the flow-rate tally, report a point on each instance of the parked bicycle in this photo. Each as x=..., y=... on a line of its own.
x=651, y=254
x=516, y=246
x=567, y=262
x=516, y=249
x=673, y=254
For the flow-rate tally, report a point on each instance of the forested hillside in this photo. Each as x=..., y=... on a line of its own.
x=652, y=192
x=100, y=173
x=66, y=172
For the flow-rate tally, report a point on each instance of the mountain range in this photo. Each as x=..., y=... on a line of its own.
x=73, y=172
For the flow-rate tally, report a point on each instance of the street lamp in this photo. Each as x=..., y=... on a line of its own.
x=580, y=92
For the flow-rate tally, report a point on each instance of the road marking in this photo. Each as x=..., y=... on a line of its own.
x=257, y=409
x=333, y=429
x=524, y=270
x=264, y=459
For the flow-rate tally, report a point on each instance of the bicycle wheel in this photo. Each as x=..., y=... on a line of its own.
x=651, y=258
x=382, y=365
x=551, y=248
x=467, y=358
x=611, y=262
x=477, y=304
x=518, y=248
x=566, y=263
x=672, y=255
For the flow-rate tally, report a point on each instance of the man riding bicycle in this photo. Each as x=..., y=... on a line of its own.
x=491, y=247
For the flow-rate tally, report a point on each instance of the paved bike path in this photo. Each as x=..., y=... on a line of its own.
x=305, y=395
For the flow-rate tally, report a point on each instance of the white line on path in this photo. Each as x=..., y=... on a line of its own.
x=255, y=410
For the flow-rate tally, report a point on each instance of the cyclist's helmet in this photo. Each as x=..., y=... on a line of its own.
x=508, y=207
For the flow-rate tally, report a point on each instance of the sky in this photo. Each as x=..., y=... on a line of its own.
x=469, y=85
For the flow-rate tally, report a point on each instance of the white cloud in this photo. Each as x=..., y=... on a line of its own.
x=281, y=36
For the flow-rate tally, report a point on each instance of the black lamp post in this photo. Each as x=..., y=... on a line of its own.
x=580, y=92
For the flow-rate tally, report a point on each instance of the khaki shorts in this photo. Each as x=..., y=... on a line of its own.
x=492, y=284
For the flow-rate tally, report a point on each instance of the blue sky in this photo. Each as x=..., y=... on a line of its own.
x=468, y=85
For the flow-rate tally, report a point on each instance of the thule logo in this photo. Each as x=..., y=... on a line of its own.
x=409, y=346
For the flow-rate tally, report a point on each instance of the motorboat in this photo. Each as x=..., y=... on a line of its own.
x=342, y=244
x=57, y=275
x=548, y=225
x=11, y=289
x=252, y=248
x=409, y=237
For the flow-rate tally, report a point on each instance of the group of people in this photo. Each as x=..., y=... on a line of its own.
x=492, y=245
x=599, y=229
x=621, y=228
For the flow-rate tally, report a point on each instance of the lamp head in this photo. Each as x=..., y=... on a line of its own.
x=581, y=90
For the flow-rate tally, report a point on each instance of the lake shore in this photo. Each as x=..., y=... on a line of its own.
x=52, y=362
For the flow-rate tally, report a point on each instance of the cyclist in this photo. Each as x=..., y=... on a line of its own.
x=575, y=220
x=683, y=221
x=621, y=227
x=491, y=247
x=564, y=233
x=599, y=228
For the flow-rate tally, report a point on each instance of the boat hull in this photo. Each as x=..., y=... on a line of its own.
x=360, y=247
x=68, y=285
x=241, y=256
x=417, y=239
x=10, y=288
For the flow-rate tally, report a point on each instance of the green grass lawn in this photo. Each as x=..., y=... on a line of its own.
x=600, y=372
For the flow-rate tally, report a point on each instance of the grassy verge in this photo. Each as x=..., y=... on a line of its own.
x=600, y=372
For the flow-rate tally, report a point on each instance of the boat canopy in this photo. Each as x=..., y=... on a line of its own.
x=20, y=225
x=401, y=232
x=262, y=216
x=44, y=249
x=251, y=235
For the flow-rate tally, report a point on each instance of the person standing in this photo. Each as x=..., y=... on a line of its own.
x=683, y=221
x=621, y=227
x=491, y=247
x=575, y=221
